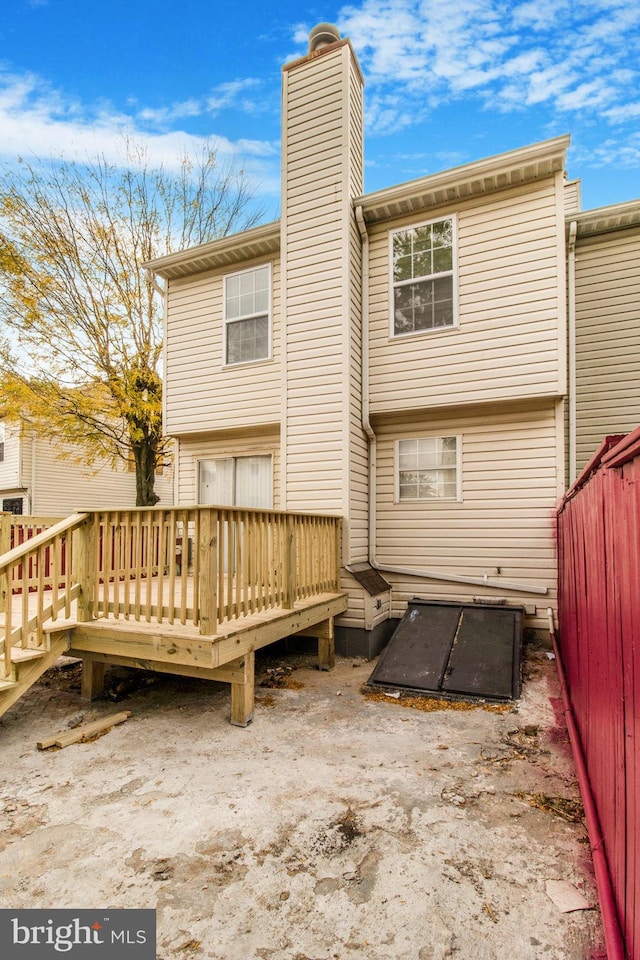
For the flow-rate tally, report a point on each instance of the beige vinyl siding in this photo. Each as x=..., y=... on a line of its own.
x=10, y=467
x=202, y=393
x=62, y=485
x=192, y=449
x=607, y=338
x=511, y=310
x=572, y=196
x=511, y=469
x=322, y=170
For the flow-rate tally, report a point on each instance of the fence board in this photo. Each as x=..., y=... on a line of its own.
x=599, y=636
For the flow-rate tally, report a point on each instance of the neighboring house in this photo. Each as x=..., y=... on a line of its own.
x=396, y=358
x=44, y=478
x=604, y=311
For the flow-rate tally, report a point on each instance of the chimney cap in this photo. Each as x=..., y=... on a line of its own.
x=322, y=35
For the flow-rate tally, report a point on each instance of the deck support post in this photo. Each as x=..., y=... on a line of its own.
x=242, y=693
x=324, y=633
x=326, y=645
x=92, y=684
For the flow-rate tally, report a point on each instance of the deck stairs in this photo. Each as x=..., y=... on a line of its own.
x=28, y=665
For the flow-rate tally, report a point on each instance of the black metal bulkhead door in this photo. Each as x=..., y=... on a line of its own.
x=418, y=653
x=481, y=660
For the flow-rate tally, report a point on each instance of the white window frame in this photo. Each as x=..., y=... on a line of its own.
x=453, y=273
x=234, y=457
x=227, y=321
x=434, y=500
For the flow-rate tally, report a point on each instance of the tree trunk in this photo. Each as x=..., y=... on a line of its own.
x=145, y=460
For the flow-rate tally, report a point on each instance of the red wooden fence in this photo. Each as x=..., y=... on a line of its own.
x=599, y=639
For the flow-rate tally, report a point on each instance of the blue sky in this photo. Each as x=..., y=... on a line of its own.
x=446, y=82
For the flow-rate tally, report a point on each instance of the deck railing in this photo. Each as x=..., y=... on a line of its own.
x=205, y=565
x=36, y=585
x=194, y=565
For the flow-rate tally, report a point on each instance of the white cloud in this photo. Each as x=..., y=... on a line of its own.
x=37, y=121
x=177, y=111
x=567, y=55
x=609, y=153
x=232, y=95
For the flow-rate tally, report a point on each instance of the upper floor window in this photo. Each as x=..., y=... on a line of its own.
x=428, y=468
x=246, y=315
x=423, y=259
x=1, y=442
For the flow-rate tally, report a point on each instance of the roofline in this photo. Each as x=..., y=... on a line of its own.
x=618, y=216
x=475, y=176
x=498, y=172
x=236, y=247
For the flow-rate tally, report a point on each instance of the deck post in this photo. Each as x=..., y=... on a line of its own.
x=85, y=565
x=5, y=546
x=289, y=565
x=242, y=693
x=92, y=683
x=326, y=645
x=208, y=572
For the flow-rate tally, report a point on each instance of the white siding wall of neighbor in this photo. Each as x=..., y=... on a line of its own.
x=510, y=339
x=192, y=449
x=10, y=466
x=322, y=170
x=607, y=338
x=202, y=393
x=62, y=485
x=512, y=477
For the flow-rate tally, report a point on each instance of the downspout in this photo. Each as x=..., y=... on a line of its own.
x=612, y=933
x=32, y=492
x=369, y=431
x=163, y=293
x=571, y=316
x=366, y=422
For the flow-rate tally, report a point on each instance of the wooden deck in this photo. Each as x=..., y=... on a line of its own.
x=112, y=588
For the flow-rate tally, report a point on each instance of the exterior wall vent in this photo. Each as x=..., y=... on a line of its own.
x=322, y=35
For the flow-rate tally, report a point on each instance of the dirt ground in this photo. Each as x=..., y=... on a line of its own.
x=334, y=827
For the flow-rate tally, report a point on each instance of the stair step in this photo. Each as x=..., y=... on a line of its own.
x=7, y=684
x=20, y=654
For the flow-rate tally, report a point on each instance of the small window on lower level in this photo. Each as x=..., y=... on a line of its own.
x=428, y=468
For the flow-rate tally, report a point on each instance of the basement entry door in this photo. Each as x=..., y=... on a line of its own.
x=453, y=649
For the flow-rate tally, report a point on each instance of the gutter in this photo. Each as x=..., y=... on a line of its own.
x=571, y=315
x=370, y=433
x=612, y=933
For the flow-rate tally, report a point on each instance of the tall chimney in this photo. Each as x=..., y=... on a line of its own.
x=322, y=172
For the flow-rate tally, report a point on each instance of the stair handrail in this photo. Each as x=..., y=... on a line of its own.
x=11, y=559
x=16, y=554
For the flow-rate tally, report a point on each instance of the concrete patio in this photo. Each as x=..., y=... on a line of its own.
x=335, y=826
